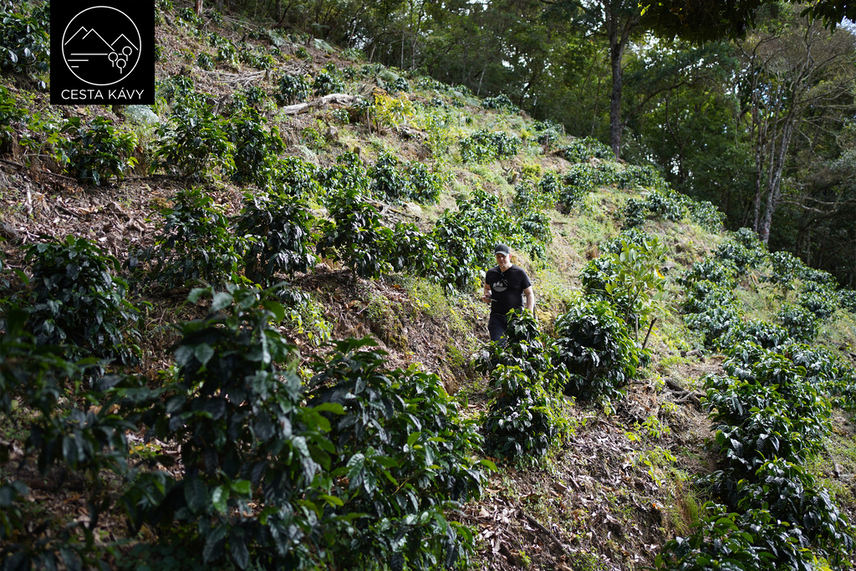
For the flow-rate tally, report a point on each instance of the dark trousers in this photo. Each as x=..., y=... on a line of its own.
x=496, y=326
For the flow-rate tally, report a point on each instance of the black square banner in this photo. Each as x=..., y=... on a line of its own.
x=102, y=52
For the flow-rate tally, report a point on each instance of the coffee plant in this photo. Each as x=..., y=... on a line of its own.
x=297, y=178
x=468, y=236
x=425, y=185
x=97, y=152
x=485, y=146
x=718, y=271
x=245, y=438
x=667, y=204
x=413, y=250
x=278, y=227
x=793, y=497
x=643, y=176
x=356, y=235
x=256, y=148
x=799, y=321
x=820, y=300
x=72, y=427
x=194, y=140
x=402, y=458
x=388, y=182
x=526, y=416
x=742, y=258
x=523, y=419
x=195, y=243
x=292, y=89
x=502, y=102
x=722, y=540
x=766, y=335
x=79, y=300
x=353, y=469
x=327, y=82
x=595, y=347
x=581, y=150
x=25, y=39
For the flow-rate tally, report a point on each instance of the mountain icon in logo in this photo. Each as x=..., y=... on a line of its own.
x=103, y=53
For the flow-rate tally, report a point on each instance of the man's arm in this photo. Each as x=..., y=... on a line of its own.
x=530, y=298
x=487, y=292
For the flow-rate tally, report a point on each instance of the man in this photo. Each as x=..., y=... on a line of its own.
x=504, y=288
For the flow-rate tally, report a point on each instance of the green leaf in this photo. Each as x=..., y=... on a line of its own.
x=196, y=293
x=488, y=464
x=238, y=550
x=332, y=500
x=220, y=498
x=203, y=353
x=196, y=494
x=242, y=487
x=221, y=300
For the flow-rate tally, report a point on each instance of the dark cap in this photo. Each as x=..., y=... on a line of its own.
x=502, y=249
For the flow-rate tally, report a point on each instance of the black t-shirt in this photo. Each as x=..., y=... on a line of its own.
x=506, y=288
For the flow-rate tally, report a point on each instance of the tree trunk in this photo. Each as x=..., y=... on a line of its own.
x=616, y=50
x=198, y=8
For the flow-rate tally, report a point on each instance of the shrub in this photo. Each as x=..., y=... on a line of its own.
x=194, y=140
x=522, y=420
x=356, y=235
x=820, y=300
x=245, y=437
x=292, y=89
x=501, y=101
x=353, y=469
x=278, y=227
x=256, y=149
x=387, y=180
x=412, y=250
x=426, y=185
x=630, y=280
x=326, y=82
x=297, y=178
x=742, y=257
x=582, y=150
x=72, y=427
x=195, y=243
x=799, y=321
x=468, y=236
x=484, y=146
x=25, y=39
x=645, y=176
x=762, y=333
x=722, y=272
x=786, y=268
x=405, y=454
x=78, y=299
x=97, y=152
x=721, y=540
x=793, y=496
x=594, y=345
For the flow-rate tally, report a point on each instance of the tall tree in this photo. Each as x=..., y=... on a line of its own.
x=787, y=72
x=704, y=20
x=619, y=22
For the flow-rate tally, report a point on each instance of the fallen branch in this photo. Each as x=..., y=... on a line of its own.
x=683, y=394
x=535, y=523
x=338, y=98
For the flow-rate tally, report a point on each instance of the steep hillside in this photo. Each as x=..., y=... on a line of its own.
x=385, y=193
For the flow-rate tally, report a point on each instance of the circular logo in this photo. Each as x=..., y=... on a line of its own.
x=101, y=45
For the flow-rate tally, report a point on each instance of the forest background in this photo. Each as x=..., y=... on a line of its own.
x=761, y=125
